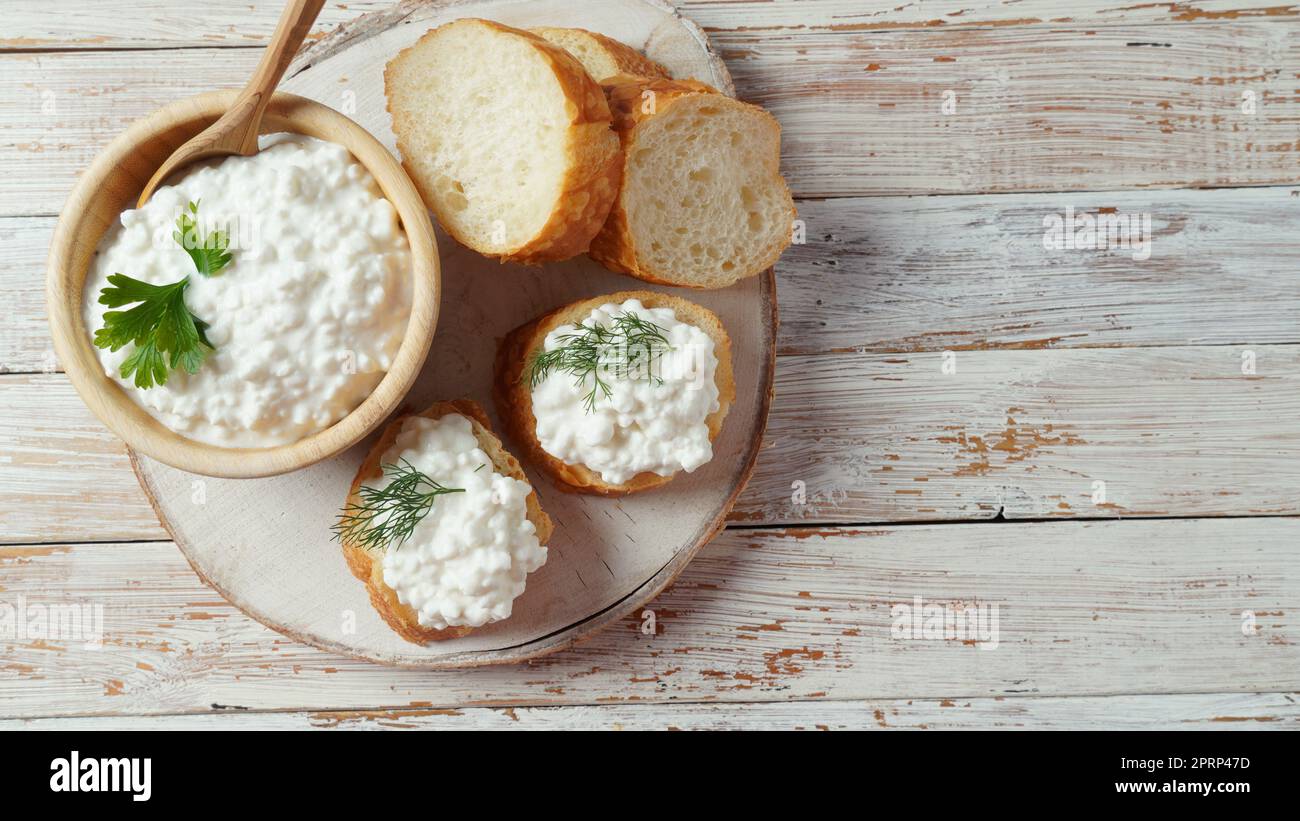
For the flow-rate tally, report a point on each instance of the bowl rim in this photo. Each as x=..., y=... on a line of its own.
x=109, y=400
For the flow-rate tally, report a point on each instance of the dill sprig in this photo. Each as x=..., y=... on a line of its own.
x=388, y=515
x=630, y=343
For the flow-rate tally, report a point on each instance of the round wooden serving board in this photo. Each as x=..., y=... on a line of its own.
x=265, y=544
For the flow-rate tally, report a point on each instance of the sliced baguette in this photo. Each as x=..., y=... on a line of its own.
x=514, y=400
x=602, y=56
x=506, y=137
x=703, y=203
x=368, y=566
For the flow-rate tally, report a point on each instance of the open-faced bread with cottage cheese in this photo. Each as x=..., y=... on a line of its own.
x=466, y=560
x=602, y=56
x=616, y=394
x=703, y=203
x=506, y=137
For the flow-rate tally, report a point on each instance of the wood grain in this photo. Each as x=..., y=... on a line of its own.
x=1193, y=711
x=872, y=437
x=25, y=344
x=862, y=111
x=970, y=273
x=65, y=107
x=153, y=24
x=119, y=24
x=63, y=475
x=1083, y=609
x=999, y=110
x=1029, y=434
x=888, y=275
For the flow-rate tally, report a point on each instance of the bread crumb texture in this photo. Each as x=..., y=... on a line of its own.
x=506, y=137
x=602, y=56
x=703, y=202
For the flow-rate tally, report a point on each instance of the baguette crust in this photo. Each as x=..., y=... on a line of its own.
x=602, y=56
x=514, y=400
x=594, y=169
x=369, y=567
x=615, y=246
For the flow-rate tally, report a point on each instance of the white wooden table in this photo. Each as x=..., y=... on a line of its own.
x=1105, y=448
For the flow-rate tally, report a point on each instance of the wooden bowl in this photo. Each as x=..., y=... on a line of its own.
x=111, y=184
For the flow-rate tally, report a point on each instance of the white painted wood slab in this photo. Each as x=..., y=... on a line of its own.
x=266, y=544
x=1095, y=608
x=1191, y=711
x=890, y=274
x=1025, y=109
x=1119, y=118
x=874, y=437
x=126, y=24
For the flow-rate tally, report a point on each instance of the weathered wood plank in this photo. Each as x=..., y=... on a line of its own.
x=864, y=112
x=904, y=275
x=62, y=472
x=1082, y=609
x=856, y=437
x=1197, y=711
x=116, y=24
x=969, y=273
x=1047, y=433
x=60, y=109
x=71, y=24
x=1004, y=109
x=25, y=344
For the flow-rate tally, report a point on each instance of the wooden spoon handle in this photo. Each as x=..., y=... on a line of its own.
x=295, y=22
x=236, y=131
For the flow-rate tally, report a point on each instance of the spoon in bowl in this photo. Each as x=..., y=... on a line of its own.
x=236, y=131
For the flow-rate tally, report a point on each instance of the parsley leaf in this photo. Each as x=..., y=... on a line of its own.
x=166, y=335
x=148, y=363
x=209, y=253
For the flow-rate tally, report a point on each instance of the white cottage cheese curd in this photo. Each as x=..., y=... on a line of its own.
x=308, y=315
x=652, y=422
x=467, y=559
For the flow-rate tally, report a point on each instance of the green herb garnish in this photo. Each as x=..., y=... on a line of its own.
x=629, y=343
x=389, y=514
x=209, y=253
x=165, y=333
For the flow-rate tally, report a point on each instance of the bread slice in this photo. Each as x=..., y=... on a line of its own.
x=507, y=139
x=368, y=566
x=602, y=56
x=514, y=400
x=703, y=203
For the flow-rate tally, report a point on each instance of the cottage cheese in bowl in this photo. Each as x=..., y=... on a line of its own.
x=304, y=320
x=467, y=560
x=654, y=419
